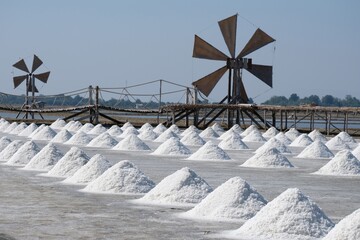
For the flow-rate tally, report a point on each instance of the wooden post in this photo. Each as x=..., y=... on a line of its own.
x=91, y=103
x=187, y=102
x=346, y=122
x=196, y=112
x=97, y=104
x=273, y=113
x=328, y=122
x=281, y=120
x=295, y=119
x=286, y=119
x=160, y=93
x=265, y=127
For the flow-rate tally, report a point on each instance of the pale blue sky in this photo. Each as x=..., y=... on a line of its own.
x=114, y=43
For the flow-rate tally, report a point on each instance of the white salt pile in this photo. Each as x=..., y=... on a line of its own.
x=209, y=133
x=192, y=139
x=79, y=138
x=291, y=215
x=175, y=129
x=73, y=126
x=72, y=161
x=96, y=166
x=192, y=128
x=283, y=138
x=228, y=133
x=25, y=153
x=316, y=150
x=271, y=132
x=129, y=131
x=45, y=159
x=302, y=141
x=336, y=143
x=217, y=128
x=104, y=140
x=4, y=125
x=254, y=136
x=10, y=150
x=4, y=142
x=22, y=126
x=115, y=131
x=160, y=128
x=165, y=136
x=87, y=127
x=36, y=130
x=148, y=134
x=124, y=177
x=248, y=130
x=145, y=126
x=274, y=143
x=11, y=127
x=172, y=146
x=317, y=135
x=98, y=129
x=236, y=128
x=268, y=158
x=131, y=143
x=356, y=152
x=344, y=163
x=233, y=142
x=126, y=125
x=233, y=200
x=62, y=136
x=58, y=124
x=347, y=138
x=348, y=228
x=292, y=134
x=46, y=133
x=184, y=187
x=209, y=151
x=27, y=131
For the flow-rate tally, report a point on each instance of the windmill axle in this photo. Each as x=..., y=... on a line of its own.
x=239, y=63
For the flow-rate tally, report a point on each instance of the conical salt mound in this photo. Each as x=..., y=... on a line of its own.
x=126, y=125
x=292, y=134
x=209, y=133
x=283, y=138
x=348, y=228
x=248, y=130
x=233, y=142
x=45, y=159
x=145, y=126
x=79, y=138
x=172, y=146
x=87, y=127
x=129, y=131
x=10, y=150
x=131, y=143
x=316, y=150
x=209, y=151
x=4, y=142
x=271, y=132
x=317, y=135
x=228, y=133
x=344, y=163
x=291, y=215
x=165, y=136
x=356, y=152
x=62, y=136
x=148, y=134
x=336, y=143
x=96, y=166
x=27, y=131
x=46, y=133
x=104, y=140
x=36, y=130
x=73, y=126
x=175, y=129
x=182, y=187
x=192, y=128
x=58, y=124
x=11, y=127
x=98, y=129
x=217, y=128
x=254, y=136
x=4, y=125
x=160, y=128
x=25, y=153
x=115, y=131
x=22, y=126
x=302, y=141
x=192, y=139
x=274, y=143
x=268, y=158
x=72, y=161
x=346, y=138
x=233, y=200
x=236, y=128
x=124, y=177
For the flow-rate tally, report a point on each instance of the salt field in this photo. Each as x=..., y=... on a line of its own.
x=176, y=188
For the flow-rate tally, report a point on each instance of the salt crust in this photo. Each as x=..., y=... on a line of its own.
x=96, y=166
x=301, y=141
x=344, y=163
x=184, y=187
x=348, y=228
x=79, y=138
x=104, y=140
x=28, y=130
x=45, y=159
x=209, y=151
x=10, y=150
x=131, y=143
x=25, y=153
x=192, y=138
x=172, y=146
x=122, y=178
x=46, y=133
x=62, y=136
x=269, y=157
x=292, y=134
x=316, y=150
x=147, y=134
x=160, y=128
x=291, y=215
x=98, y=129
x=274, y=143
x=209, y=133
x=254, y=136
x=317, y=135
x=73, y=160
x=234, y=200
x=271, y=132
x=249, y=130
x=4, y=142
x=165, y=136
x=336, y=143
x=233, y=142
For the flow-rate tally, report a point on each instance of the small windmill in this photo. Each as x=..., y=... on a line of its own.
x=235, y=64
x=30, y=79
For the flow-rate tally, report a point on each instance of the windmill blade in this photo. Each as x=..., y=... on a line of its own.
x=258, y=40
x=243, y=94
x=263, y=72
x=228, y=30
x=30, y=88
x=207, y=83
x=202, y=49
x=36, y=63
x=18, y=80
x=21, y=65
x=42, y=76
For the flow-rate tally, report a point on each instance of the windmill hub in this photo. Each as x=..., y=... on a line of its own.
x=239, y=63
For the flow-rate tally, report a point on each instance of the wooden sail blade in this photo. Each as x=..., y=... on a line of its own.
x=243, y=95
x=228, y=30
x=262, y=72
x=21, y=65
x=202, y=49
x=207, y=83
x=42, y=76
x=30, y=89
x=36, y=63
x=258, y=40
x=18, y=80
